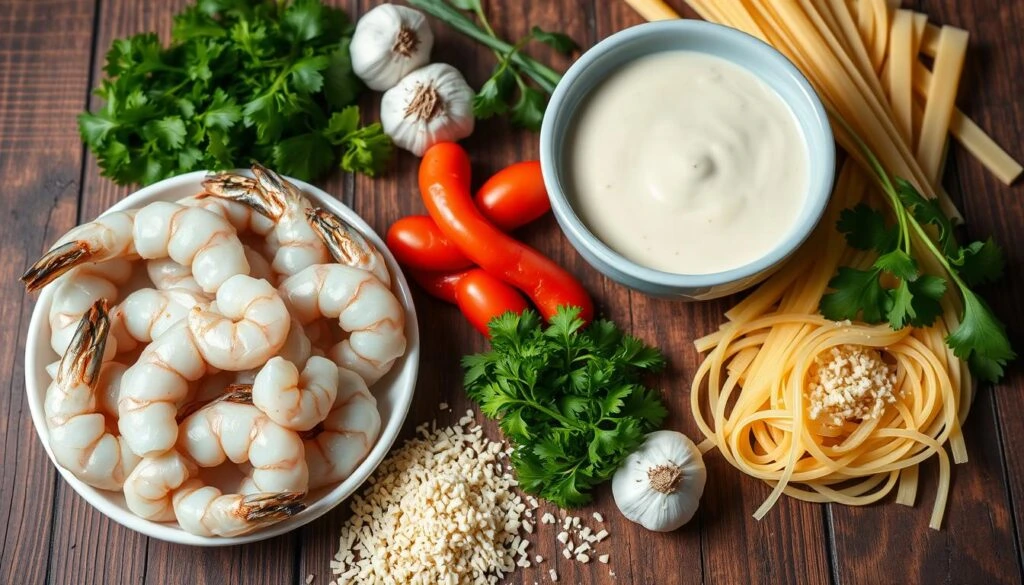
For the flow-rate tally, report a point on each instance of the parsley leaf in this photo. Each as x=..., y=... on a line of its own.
x=568, y=399
x=241, y=80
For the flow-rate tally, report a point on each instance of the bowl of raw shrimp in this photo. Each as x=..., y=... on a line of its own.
x=208, y=488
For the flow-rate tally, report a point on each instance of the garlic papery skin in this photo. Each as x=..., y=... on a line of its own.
x=659, y=485
x=389, y=43
x=430, y=105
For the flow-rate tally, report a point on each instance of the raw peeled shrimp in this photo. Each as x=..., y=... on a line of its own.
x=364, y=307
x=108, y=386
x=248, y=325
x=155, y=386
x=242, y=217
x=204, y=510
x=146, y=313
x=165, y=274
x=148, y=488
x=295, y=243
x=73, y=406
x=77, y=290
x=348, y=433
x=161, y=489
x=346, y=245
x=231, y=428
x=193, y=237
x=294, y=400
x=259, y=267
x=105, y=238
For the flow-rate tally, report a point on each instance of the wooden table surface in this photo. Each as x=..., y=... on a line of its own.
x=51, y=53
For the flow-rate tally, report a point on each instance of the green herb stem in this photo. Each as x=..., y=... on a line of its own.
x=543, y=75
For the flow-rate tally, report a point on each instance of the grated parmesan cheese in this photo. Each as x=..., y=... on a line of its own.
x=848, y=383
x=436, y=511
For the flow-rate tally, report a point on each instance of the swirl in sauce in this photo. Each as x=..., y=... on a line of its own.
x=687, y=163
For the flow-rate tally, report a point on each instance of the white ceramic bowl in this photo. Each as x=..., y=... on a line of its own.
x=393, y=392
x=704, y=37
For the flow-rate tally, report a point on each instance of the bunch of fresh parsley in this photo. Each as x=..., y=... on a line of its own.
x=895, y=289
x=568, y=399
x=507, y=91
x=241, y=80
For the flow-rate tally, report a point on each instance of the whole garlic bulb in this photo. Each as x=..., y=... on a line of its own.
x=390, y=42
x=659, y=485
x=430, y=105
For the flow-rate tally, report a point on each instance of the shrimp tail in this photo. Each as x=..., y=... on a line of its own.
x=56, y=262
x=84, y=357
x=260, y=508
x=237, y=393
x=245, y=191
x=346, y=245
x=274, y=186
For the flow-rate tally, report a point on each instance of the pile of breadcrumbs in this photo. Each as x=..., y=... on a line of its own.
x=443, y=509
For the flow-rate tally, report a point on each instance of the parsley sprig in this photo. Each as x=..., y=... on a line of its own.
x=519, y=85
x=568, y=399
x=895, y=288
x=240, y=80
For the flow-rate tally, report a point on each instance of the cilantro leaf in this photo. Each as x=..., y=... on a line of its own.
x=865, y=229
x=366, y=150
x=981, y=339
x=927, y=211
x=305, y=73
x=529, y=110
x=240, y=80
x=928, y=291
x=915, y=298
x=557, y=41
x=855, y=292
x=979, y=262
x=567, y=397
x=899, y=264
x=304, y=156
x=492, y=99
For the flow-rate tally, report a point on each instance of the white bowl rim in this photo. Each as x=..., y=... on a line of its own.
x=406, y=368
x=578, y=231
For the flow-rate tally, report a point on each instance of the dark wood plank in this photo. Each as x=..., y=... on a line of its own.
x=85, y=534
x=990, y=93
x=44, y=51
x=978, y=542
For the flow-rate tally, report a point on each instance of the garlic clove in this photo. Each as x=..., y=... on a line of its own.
x=430, y=105
x=389, y=43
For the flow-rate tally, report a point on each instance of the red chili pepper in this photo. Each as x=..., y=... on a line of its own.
x=417, y=243
x=514, y=196
x=482, y=297
x=440, y=285
x=444, y=184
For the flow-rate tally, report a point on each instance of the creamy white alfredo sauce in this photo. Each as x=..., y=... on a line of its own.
x=687, y=163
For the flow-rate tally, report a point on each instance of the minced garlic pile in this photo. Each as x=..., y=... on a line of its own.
x=441, y=509
x=850, y=382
